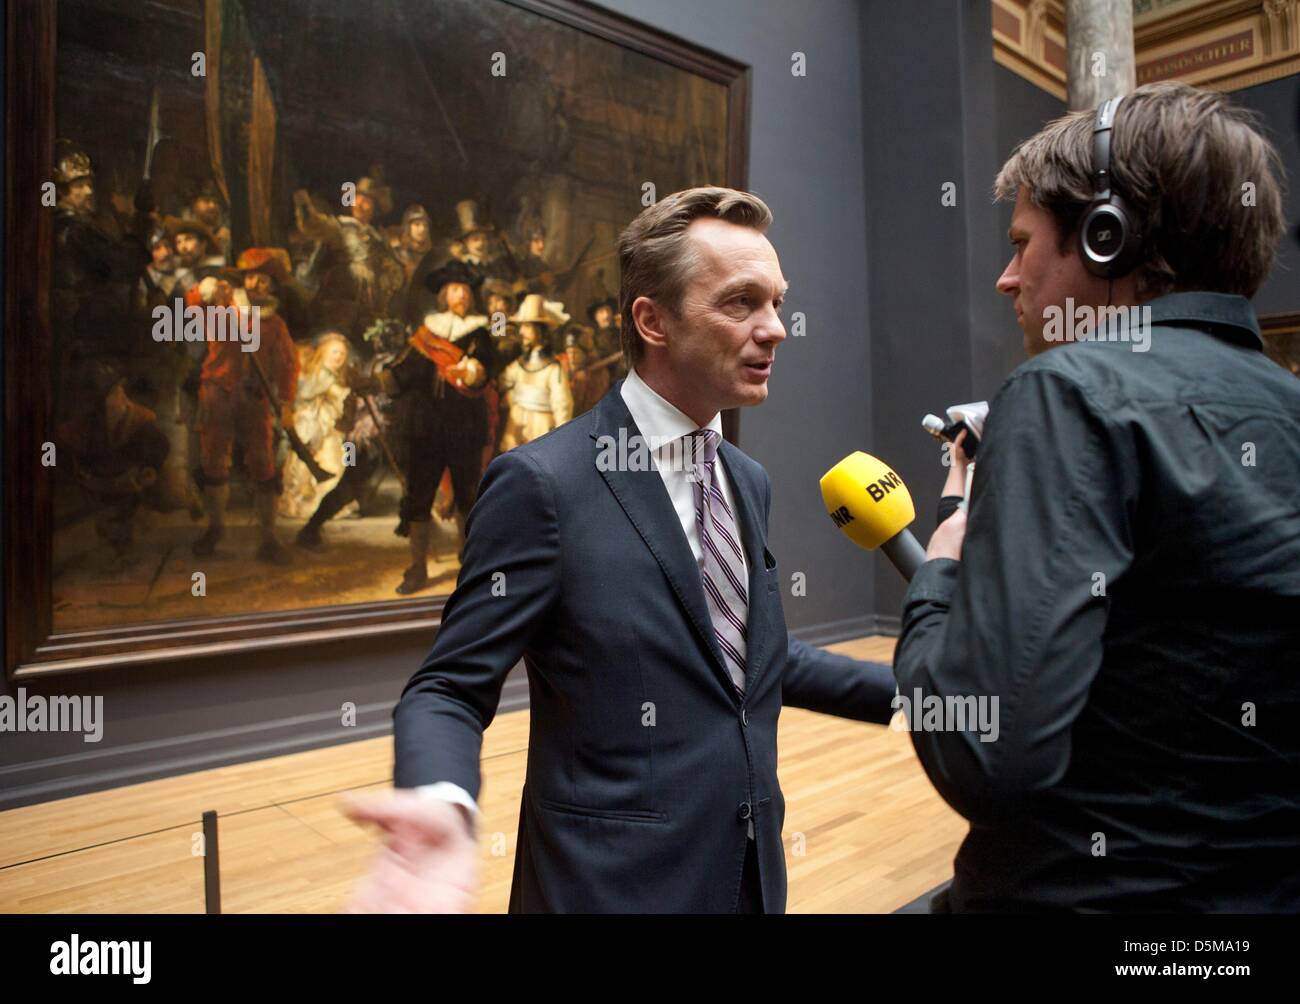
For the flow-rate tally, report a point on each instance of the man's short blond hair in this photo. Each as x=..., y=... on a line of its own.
x=1203, y=182
x=655, y=255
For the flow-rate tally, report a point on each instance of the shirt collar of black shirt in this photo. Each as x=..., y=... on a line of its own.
x=1223, y=315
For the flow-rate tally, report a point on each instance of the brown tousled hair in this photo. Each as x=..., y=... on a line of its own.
x=1181, y=158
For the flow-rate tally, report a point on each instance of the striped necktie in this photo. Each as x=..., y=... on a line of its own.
x=722, y=569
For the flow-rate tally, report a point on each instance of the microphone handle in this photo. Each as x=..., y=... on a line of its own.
x=905, y=552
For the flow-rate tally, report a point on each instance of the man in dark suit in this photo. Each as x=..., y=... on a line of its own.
x=624, y=557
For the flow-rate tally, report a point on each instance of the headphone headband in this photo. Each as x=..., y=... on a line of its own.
x=1108, y=240
x=1101, y=133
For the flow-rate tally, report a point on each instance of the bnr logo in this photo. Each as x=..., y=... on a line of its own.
x=841, y=516
x=1103, y=236
x=884, y=486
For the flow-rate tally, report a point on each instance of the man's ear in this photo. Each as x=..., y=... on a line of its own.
x=650, y=321
x=1126, y=290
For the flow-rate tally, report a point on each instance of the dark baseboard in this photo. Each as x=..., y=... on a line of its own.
x=889, y=624
x=58, y=777
x=844, y=630
x=98, y=770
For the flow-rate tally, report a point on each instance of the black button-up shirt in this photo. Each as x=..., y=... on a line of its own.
x=1129, y=593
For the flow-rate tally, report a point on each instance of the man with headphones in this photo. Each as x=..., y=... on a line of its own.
x=1128, y=584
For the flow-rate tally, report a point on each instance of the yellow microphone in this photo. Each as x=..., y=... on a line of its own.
x=872, y=506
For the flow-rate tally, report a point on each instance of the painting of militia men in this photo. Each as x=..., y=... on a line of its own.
x=300, y=301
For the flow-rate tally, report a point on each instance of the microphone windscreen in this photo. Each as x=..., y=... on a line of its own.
x=867, y=500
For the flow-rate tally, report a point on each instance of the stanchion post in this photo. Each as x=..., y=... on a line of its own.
x=211, y=864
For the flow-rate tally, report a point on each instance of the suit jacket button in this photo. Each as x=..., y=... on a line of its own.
x=744, y=717
x=745, y=810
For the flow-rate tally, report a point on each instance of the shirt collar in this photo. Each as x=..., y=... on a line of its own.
x=1225, y=315
x=658, y=420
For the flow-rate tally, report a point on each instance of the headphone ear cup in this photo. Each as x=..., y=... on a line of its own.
x=1108, y=241
x=1131, y=246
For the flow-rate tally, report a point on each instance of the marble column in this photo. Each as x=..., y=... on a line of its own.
x=1099, y=38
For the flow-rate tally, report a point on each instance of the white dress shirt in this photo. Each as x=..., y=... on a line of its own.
x=661, y=425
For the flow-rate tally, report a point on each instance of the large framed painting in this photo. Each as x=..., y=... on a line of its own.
x=283, y=277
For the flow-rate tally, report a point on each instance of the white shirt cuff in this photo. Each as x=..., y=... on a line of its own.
x=449, y=792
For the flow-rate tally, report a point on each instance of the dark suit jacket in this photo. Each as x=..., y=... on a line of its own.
x=643, y=766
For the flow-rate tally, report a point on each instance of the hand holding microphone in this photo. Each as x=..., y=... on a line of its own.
x=960, y=469
x=968, y=418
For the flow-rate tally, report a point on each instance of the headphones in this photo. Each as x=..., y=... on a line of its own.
x=1109, y=240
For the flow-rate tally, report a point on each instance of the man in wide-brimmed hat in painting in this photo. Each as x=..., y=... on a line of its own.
x=534, y=388
x=197, y=249
x=208, y=205
x=440, y=381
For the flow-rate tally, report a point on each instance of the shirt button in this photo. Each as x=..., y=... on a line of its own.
x=745, y=811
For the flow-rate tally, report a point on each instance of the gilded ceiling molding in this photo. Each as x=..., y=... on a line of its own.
x=1224, y=44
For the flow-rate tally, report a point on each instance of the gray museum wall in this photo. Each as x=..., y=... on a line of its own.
x=1277, y=103
x=938, y=115
x=901, y=318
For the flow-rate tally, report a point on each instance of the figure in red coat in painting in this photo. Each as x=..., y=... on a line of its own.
x=234, y=407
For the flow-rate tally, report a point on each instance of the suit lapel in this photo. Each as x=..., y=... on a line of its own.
x=749, y=508
x=645, y=501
